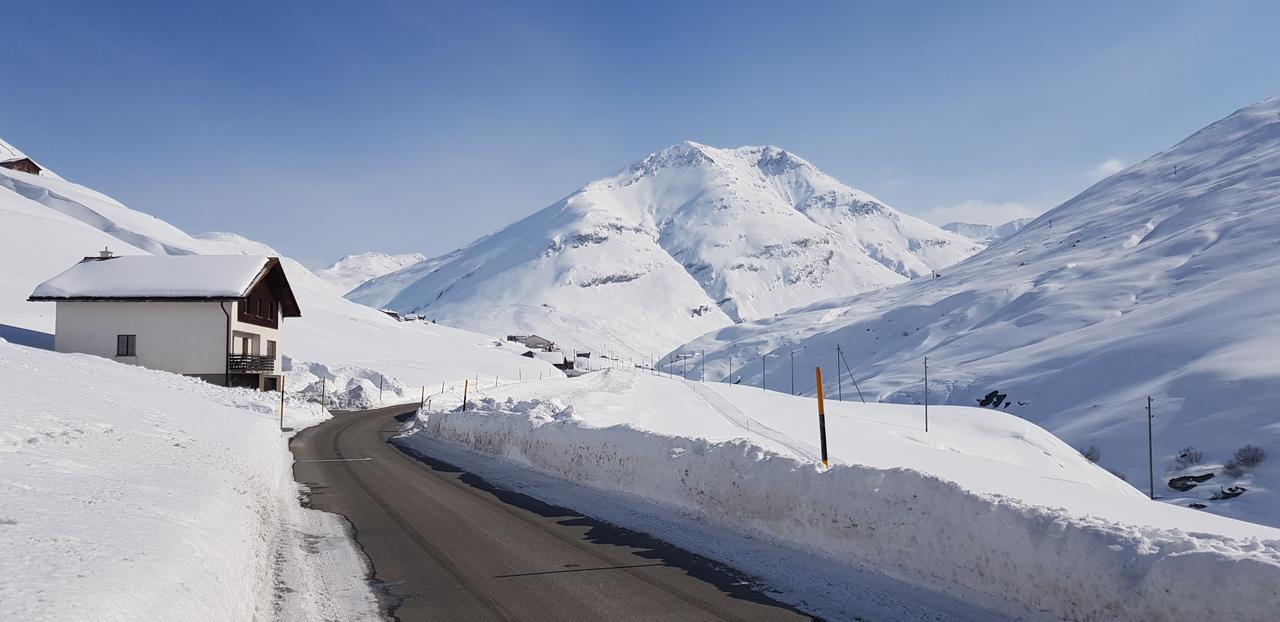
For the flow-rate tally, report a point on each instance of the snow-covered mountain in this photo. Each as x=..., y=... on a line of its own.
x=352, y=271
x=687, y=240
x=1162, y=280
x=986, y=234
x=48, y=224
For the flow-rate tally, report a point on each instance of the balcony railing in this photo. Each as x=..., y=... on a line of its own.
x=250, y=364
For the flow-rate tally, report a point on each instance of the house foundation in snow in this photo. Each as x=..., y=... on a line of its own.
x=214, y=317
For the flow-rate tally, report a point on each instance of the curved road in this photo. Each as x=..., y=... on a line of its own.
x=446, y=545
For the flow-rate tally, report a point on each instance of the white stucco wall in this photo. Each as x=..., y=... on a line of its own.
x=181, y=337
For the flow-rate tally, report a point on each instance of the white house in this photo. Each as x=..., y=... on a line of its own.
x=215, y=317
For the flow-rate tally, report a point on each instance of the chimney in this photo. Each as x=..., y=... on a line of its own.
x=103, y=255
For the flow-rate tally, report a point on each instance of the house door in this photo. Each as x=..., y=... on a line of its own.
x=270, y=383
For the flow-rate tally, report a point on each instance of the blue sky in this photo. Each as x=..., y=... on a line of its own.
x=326, y=128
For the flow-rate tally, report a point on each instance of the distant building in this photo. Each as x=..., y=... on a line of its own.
x=533, y=341
x=25, y=165
x=539, y=343
x=556, y=358
x=215, y=317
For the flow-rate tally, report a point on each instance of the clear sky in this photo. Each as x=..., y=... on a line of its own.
x=328, y=128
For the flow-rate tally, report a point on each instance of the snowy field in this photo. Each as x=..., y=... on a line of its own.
x=132, y=494
x=985, y=506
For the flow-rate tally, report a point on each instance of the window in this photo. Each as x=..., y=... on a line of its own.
x=126, y=345
x=271, y=348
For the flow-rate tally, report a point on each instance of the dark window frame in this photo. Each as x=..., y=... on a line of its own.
x=126, y=345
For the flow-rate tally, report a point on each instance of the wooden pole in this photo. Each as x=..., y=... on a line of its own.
x=282, y=403
x=465, y=384
x=1151, y=469
x=926, y=394
x=323, y=401
x=822, y=419
x=380, y=388
x=423, y=403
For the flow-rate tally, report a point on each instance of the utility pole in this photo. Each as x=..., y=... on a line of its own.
x=380, y=379
x=839, y=377
x=926, y=394
x=422, y=403
x=1151, y=469
x=322, y=395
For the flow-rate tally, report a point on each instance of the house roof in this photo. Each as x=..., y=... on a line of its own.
x=169, y=277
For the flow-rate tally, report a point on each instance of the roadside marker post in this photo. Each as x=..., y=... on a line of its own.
x=822, y=419
x=465, y=385
x=423, y=403
x=282, y=403
x=323, y=402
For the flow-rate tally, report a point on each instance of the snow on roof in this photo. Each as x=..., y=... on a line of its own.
x=156, y=276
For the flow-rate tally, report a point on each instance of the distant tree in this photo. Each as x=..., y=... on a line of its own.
x=1092, y=454
x=1233, y=468
x=1250, y=456
x=1189, y=456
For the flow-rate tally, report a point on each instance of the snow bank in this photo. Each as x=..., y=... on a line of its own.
x=132, y=494
x=906, y=523
x=344, y=386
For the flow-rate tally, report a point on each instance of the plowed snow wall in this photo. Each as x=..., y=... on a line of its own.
x=908, y=524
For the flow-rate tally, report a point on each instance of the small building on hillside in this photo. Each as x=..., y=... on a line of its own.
x=25, y=165
x=555, y=357
x=214, y=317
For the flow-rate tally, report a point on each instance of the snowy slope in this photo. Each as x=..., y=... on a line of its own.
x=353, y=270
x=986, y=234
x=1158, y=281
x=48, y=224
x=984, y=504
x=132, y=494
x=687, y=240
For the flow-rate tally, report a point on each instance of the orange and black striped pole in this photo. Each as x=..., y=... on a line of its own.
x=822, y=419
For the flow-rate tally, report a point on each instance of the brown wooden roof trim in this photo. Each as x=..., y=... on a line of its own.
x=273, y=273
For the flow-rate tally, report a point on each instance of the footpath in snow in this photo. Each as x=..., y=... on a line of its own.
x=984, y=507
x=132, y=494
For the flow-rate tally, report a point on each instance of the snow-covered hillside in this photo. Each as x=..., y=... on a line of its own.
x=353, y=270
x=1158, y=281
x=986, y=234
x=133, y=494
x=984, y=504
x=687, y=240
x=48, y=224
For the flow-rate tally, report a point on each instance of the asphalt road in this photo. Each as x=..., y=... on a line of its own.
x=446, y=545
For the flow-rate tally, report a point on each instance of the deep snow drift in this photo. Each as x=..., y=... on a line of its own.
x=687, y=240
x=984, y=506
x=133, y=494
x=353, y=270
x=1158, y=281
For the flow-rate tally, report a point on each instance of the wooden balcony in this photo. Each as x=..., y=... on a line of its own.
x=250, y=364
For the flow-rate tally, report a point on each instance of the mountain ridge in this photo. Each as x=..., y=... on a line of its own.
x=719, y=235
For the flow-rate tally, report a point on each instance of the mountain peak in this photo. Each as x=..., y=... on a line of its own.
x=717, y=235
